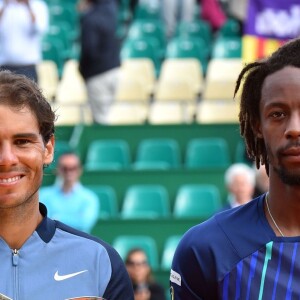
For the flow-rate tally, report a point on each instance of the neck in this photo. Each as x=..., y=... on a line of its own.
x=18, y=223
x=283, y=213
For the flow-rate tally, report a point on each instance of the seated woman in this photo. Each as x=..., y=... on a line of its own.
x=144, y=285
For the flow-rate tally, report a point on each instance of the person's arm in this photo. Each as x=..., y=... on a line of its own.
x=194, y=272
x=39, y=16
x=2, y=9
x=31, y=12
x=119, y=286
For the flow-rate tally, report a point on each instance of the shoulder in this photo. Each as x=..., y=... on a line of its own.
x=232, y=234
x=109, y=261
x=229, y=229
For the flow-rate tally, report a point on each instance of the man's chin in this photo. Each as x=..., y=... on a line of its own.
x=289, y=177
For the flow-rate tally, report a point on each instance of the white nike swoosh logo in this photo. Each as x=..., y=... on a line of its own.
x=58, y=277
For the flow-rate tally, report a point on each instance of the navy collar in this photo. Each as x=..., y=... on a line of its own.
x=46, y=228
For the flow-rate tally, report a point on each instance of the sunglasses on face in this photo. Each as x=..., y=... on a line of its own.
x=68, y=168
x=137, y=263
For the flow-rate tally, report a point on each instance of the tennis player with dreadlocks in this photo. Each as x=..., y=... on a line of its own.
x=253, y=251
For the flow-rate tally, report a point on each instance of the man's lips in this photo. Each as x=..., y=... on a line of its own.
x=10, y=180
x=294, y=151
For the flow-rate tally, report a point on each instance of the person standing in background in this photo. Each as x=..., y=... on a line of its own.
x=174, y=11
x=22, y=25
x=100, y=54
x=68, y=200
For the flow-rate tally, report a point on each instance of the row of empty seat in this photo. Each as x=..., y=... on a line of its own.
x=152, y=201
x=179, y=95
x=161, y=153
x=156, y=153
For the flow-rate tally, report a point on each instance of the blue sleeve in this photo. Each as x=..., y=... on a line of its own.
x=198, y=264
x=119, y=286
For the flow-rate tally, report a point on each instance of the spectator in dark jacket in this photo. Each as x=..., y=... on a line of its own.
x=99, y=58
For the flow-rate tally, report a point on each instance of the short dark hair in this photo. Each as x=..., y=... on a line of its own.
x=18, y=91
x=255, y=73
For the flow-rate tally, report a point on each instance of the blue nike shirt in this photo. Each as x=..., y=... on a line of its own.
x=58, y=262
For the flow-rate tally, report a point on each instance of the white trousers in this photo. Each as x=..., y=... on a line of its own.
x=101, y=91
x=177, y=10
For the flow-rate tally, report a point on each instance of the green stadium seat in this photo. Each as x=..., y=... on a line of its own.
x=124, y=243
x=147, y=11
x=230, y=28
x=197, y=29
x=64, y=11
x=146, y=201
x=53, y=49
x=207, y=153
x=149, y=28
x=108, y=200
x=188, y=47
x=197, y=200
x=142, y=47
x=159, y=151
x=107, y=155
x=168, y=251
x=227, y=47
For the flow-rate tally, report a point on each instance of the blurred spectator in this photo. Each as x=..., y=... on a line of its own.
x=240, y=183
x=99, y=58
x=261, y=181
x=22, y=25
x=237, y=9
x=212, y=12
x=144, y=285
x=177, y=10
x=68, y=200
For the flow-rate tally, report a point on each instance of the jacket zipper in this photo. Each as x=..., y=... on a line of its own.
x=15, y=262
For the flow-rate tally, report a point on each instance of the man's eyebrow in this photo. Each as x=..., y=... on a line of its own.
x=28, y=135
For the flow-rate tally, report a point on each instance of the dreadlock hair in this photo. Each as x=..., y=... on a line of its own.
x=255, y=73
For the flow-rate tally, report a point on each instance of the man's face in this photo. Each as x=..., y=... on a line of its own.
x=280, y=123
x=69, y=168
x=22, y=156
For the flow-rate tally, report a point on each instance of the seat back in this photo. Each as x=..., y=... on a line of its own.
x=227, y=47
x=71, y=88
x=188, y=47
x=124, y=243
x=214, y=112
x=48, y=78
x=107, y=154
x=196, y=28
x=159, y=150
x=197, y=200
x=168, y=251
x=107, y=199
x=146, y=201
x=207, y=153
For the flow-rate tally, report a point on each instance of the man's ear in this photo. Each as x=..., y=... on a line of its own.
x=257, y=130
x=49, y=151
